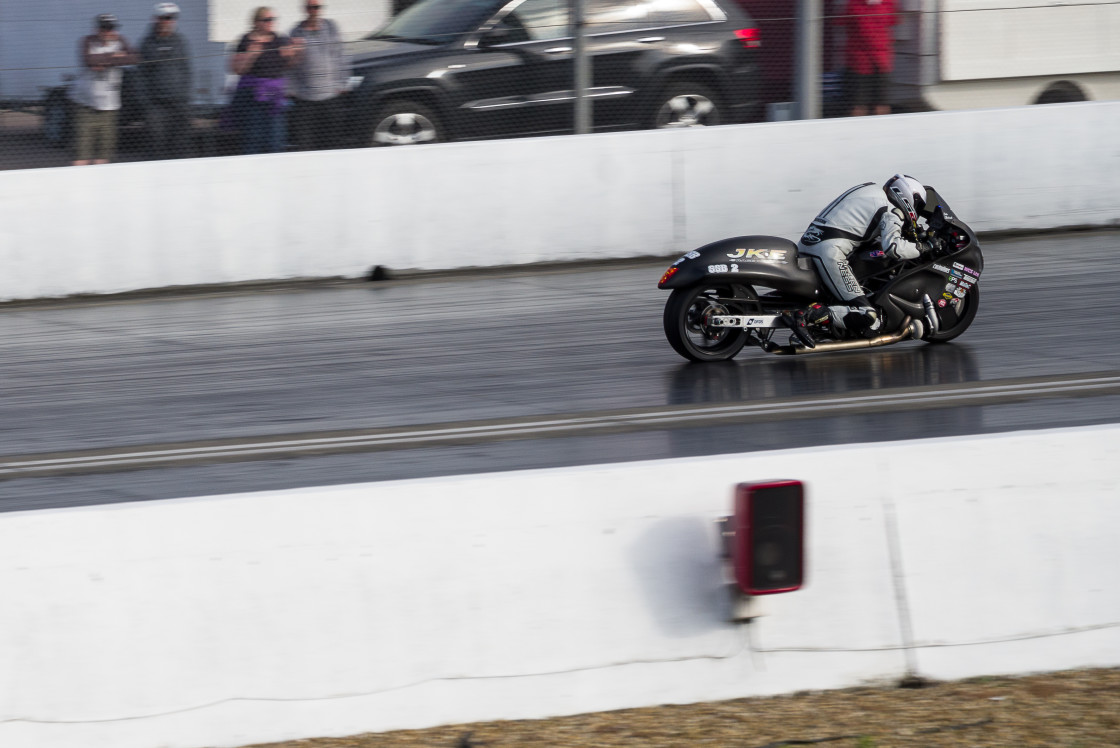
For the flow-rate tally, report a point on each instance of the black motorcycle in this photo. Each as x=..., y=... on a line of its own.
x=734, y=291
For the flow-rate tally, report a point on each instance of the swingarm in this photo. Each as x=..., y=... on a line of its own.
x=746, y=321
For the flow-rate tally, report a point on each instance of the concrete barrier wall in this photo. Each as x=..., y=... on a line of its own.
x=124, y=227
x=240, y=619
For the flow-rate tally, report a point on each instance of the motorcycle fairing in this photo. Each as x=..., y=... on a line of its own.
x=946, y=280
x=768, y=261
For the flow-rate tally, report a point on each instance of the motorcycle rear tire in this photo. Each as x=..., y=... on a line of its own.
x=971, y=305
x=686, y=331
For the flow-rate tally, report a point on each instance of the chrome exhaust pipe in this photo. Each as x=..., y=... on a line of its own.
x=931, y=316
x=906, y=331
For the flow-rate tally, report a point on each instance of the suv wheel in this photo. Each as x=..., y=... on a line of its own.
x=686, y=105
x=405, y=122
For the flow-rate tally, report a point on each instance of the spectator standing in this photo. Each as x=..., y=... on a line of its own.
x=97, y=91
x=869, y=54
x=167, y=77
x=318, y=78
x=262, y=59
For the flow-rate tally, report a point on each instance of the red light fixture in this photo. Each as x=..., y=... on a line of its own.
x=768, y=540
x=668, y=274
x=749, y=38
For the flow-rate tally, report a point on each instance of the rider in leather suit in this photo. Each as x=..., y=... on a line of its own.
x=885, y=217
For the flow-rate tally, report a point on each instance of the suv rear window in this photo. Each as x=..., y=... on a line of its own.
x=541, y=19
x=604, y=16
x=679, y=11
x=436, y=22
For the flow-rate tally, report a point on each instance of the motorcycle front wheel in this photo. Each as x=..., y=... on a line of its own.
x=688, y=311
x=958, y=323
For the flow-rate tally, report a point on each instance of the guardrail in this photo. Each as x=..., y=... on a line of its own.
x=125, y=227
x=261, y=617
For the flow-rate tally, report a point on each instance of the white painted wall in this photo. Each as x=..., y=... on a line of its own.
x=123, y=227
x=39, y=43
x=240, y=619
x=39, y=40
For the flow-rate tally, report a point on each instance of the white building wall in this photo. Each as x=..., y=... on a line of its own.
x=229, y=19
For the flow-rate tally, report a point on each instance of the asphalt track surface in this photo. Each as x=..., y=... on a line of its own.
x=190, y=395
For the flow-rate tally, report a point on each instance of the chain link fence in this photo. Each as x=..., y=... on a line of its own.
x=438, y=70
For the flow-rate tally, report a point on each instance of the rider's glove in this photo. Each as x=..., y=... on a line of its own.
x=903, y=251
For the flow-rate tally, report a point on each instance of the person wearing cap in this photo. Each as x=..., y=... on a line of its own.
x=262, y=60
x=317, y=79
x=166, y=70
x=97, y=92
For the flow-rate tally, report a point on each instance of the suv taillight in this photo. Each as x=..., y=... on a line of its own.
x=749, y=38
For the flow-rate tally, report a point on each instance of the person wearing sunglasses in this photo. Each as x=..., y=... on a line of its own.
x=262, y=60
x=97, y=91
x=166, y=69
x=318, y=78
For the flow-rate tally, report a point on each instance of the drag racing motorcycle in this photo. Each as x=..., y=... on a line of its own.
x=733, y=292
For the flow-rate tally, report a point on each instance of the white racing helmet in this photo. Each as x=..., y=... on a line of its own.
x=163, y=10
x=907, y=194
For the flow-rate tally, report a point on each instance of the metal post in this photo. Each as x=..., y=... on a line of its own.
x=582, y=72
x=809, y=55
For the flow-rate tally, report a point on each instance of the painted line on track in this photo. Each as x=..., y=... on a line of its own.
x=637, y=419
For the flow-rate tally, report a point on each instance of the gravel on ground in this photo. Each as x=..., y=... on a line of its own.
x=1069, y=709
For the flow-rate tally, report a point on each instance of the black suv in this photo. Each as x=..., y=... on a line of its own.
x=466, y=69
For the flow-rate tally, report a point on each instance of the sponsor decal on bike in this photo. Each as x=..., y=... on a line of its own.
x=942, y=269
x=812, y=235
x=687, y=256
x=947, y=295
x=717, y=268
x=967, y=269
x=957, y=273
x=850, y=282
x=759, y=255
x=959, y=293
x=941, y=303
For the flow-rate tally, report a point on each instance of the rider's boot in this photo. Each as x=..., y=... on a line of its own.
x=857, y=316
x=799, y=321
